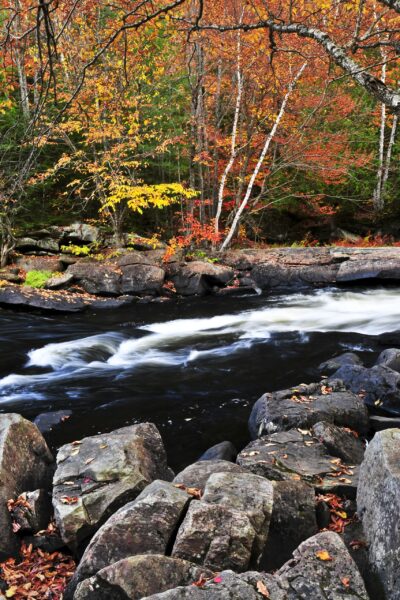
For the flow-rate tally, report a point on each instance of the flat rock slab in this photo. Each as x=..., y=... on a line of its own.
x=378, y=505
x=137, y=576
x=297, y=456
x=99, y=474
x=197, y=474
x=26, y=464
x=305, y=405
x=341, y=442
x=144, y=526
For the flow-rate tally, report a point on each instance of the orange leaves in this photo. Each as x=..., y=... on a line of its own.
x=339, y=517
x=323, y=555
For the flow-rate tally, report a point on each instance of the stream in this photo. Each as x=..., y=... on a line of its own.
x=193, y=367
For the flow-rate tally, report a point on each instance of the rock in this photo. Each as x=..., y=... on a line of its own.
x=55, y=283
x=198, y=278
x=380, y=386
x=322, y=569
x=80, y=232
x=32, y=511
x=369, y=266
x=305, y=405
x=28, y=244
x=340, y=442
x=39, y=263
x=221, y=451
x=101, y=474
x=10, y=277
x=137, y=576
x=197, y=474
x=378, y=505
x=25, y=464
x=142, y=278
x=293, y=521
x=145, y=526
x=380, y=423
x=216, y=536
x=46, y=541
x=46, y=421
x=249, y=494
x=15, y=295
x=295, y=455
x=97, y=278
x=390, y=358
x=131, y=257
x=333, y=364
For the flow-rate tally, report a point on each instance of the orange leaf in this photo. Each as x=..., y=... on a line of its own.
x=262, y=589
x=323, y=555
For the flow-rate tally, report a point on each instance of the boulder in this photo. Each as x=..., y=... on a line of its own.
x=305, y=405
x=142, y=278
x=25, y=464
x=198, y=277
x=379, y=386
x=62, y=281
x=216, y=536
x=339, y=441
x=145, y=526
x=28, y=244
x=97, y=278
x=333, y=364
x=249, y=494
x=378, y=505
x=81, y=233
x=31, y=512
x=390, y=358
x=221, y=451
x=197, y=474
x=134, y=577
x=379, y=423
x=16, y=295
x=295, y=455
x=99, y=474
x=293, y=520
x=46, y=421
x=39, y=263
x=369, y=266
x=10, y=277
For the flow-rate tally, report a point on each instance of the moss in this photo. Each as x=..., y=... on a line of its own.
x=37, y=279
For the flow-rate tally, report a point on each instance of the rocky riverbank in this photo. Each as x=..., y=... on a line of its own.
x=75, y=284
x=307, y=510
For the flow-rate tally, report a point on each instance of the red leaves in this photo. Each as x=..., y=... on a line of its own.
x=339, y=517
x=38, y=576
x=195, y=492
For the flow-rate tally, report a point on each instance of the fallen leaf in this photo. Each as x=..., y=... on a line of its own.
x=217, y=579
x=76, y=443
x=75, y=452
x=323, y=555
x=344, y=480
x=104, y=446
x=69, y=499
x=11, y=591
x=345, y=581
x=88, y=461
x=262, y=589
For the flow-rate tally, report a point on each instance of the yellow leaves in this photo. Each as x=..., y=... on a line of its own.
x=323, y=555
x=139, y=197
x=10, y=593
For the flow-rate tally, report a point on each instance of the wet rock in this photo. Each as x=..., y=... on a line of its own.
x=46, y=421
x=25, y=464
x=380, y=386
x=390, y=358
x=197, y=474
x=221, y=451
x=295, y=455
x=137, y=576
x=142, y=278
x=215, y=536
x=305, y=405
x=340, y=442
x=32, y=511
x=56, y=283
x=379, y=265
x=97, y=278
x=16, y=295
x=315, y=576
x=249, y=494
x=145, y=526
x=378, y=503
x=293, y=521
x=101, y=474
x=198, y=278
x=333, y=364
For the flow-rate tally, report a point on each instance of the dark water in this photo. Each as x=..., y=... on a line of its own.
x=193, y=367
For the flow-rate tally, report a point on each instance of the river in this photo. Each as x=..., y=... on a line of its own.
x=193, y=367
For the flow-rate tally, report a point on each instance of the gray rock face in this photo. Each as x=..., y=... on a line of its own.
x=97, y=278
x=378, y=504
x=293, y=456
x=221, y=451
x=38, y=263
x=305, y=405
x=80, y=232
x=142, y=278
x=333, y=364
x=55, y=283
x=198, y=278
x=144, y=526
x=340, y=442
x=215, y=536
x=197, y=474
x=101, y=474
x=25, y=464
x=28, y=244
x=308, y=576
x=249, y=494
x=380, y=384
x=137, y=576
x=34, y=513
x=390, y=358
x=293, y=521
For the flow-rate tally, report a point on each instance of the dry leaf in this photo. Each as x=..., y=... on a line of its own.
x=88, y=461
x=323, y=555
x=262, y=589
x=75, y=451
x=345, y=581
x=104, y=446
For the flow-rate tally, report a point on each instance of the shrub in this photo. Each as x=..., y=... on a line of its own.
x=37, y=279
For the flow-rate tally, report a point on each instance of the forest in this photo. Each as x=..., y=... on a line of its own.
x=201, y=123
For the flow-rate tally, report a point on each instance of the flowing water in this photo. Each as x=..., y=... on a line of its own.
x=193, y=367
